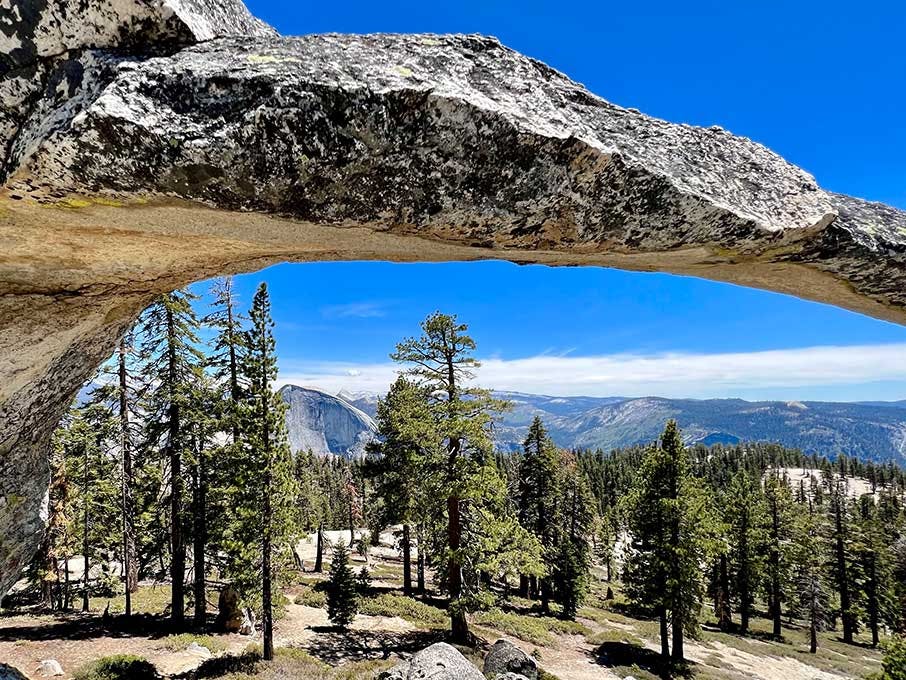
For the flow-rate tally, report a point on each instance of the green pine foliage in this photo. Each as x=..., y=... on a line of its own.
x=342, y=589
x=672, y=528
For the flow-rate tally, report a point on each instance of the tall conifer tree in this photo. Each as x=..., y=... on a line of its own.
x=441, y=361
x=171, y=367
x=266, y=498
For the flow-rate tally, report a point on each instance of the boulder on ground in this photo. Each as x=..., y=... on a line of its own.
x=50, y=668
x=505, y=657
x=510, y=676
x=229, y=614
x=440, y=661
x=10, y=673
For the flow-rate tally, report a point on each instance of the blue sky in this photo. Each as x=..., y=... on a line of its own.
x=821, y=83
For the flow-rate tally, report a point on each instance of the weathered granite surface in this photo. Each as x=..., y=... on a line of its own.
x=145, y=144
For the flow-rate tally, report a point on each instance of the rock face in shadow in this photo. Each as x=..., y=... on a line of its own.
x=144, y=145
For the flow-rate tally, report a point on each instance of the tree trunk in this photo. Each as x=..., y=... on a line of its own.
x=177, y=544
x=873, y=604
x=665, y=639
x=130, y=573
x=744, y=587
x=459, y=627
x=813, y=633
x=267, y=609
x=267, y=614
x=843, y=582
x=523, y=585
x=201, y=535
x=48, y=560
x=722, y=605
x=420, y=564
x=776, y=612
x=544, y=587
x=85, y=524
x=319, y=554
x=351, y=520
x=407, y=561
x=678, y=654
x=67, y=596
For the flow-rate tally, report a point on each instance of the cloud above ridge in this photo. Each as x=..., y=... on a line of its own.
x=677, y=374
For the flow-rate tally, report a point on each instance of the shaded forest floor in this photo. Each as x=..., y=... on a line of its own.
x=606, y=642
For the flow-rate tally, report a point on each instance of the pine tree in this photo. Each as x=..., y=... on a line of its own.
x=312, y=501
x=809, y=576
x=843, y=567
x=442, y=363
x=342, y=595
x=87, y=462
x=227, y=348
x=780, y=517
x=540, y=500
x=872, y=554
x=265, y=497
x=605, y=538
x=201, y=428
x=118, y=394
x=670, y=522
x=171, y=366
x=570, y=572
x=745, y=522
x=406, y=460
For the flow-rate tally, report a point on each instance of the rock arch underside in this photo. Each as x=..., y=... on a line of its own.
x=145, y=144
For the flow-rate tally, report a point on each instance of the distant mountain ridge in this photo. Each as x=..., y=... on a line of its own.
x=867, y=430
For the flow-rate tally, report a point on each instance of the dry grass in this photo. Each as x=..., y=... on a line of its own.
x=177, y=643
x=296, y=664
x=539, y=630
x=412, y=610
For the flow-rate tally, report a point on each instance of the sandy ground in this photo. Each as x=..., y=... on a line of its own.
x=75, y=639
x=855, y=486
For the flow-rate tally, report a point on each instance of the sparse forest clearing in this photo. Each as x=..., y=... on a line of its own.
x=605, y=643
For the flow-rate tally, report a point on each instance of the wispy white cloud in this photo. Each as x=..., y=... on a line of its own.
x=357, y=310
x=784, y=371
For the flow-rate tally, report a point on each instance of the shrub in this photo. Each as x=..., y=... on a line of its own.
x=364, y=580
x=894, y=662
x=534, y=629
x=311, y=597
x=406, y=608
x=177, y=643
x=118, y=667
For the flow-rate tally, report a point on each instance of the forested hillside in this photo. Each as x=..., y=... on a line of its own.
x=177, y=469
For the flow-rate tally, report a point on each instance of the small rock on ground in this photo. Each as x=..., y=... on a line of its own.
x=50, y=668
